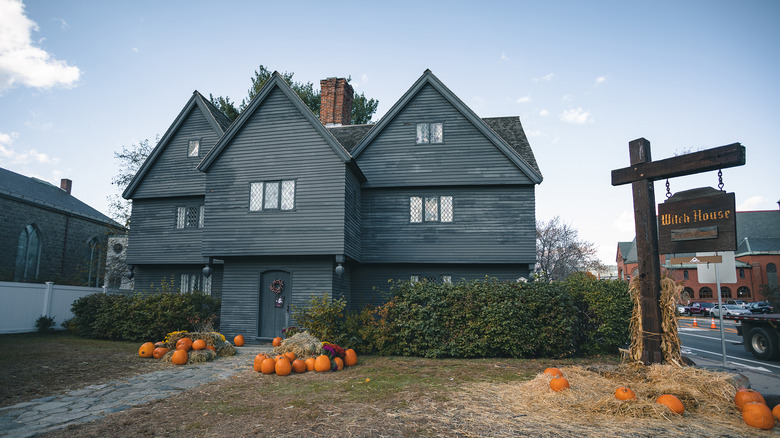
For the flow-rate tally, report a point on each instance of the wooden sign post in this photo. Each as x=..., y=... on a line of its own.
x=641, y=174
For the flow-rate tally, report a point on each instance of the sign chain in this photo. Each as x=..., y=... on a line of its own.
x=720, y=180
x=668, y=192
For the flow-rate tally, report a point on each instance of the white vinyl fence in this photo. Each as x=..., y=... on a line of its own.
x=21, y=304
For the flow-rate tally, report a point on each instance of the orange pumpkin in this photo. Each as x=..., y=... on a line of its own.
x=776, y=412
x=159, y=344
x=258, y=362
x=624, y=393
x=290, y=356
x=146, y=349
x=559, y=383
x=553, y=372
x=279, y=356
x=758, y=415
x=744, y=396
x=200, y=344
x=184, y=344
x=277, y=341
x=310, y=363
x=322, y=363
x=299, y=366
x=159, y=352
x=211, y=347
x=350, y=358
x=267, y=366
x=339, y=363
x=671, y=402
x=238, y=340
x=179, y=357
x=282, y=367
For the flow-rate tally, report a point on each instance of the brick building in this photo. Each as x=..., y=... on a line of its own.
x=49, y=235
x=757, y=258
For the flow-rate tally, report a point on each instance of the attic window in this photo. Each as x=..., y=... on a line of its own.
x=430, y=133
x=194, y=148
x=272, y=195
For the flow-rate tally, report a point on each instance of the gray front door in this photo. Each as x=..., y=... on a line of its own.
x=274, y=301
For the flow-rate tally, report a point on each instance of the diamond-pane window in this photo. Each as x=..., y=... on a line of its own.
x=194, y=148
x=415, y=209
x=193, y=214
x=201, y=216
x=423, y=133
x=446, y=208
x=446, y=279
x=256, y=196
x=271, y=195
x=431, y=209
x=437, y=133
x=181, y=213
x=288, y=195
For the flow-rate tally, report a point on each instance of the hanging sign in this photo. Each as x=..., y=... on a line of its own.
x=697, y=220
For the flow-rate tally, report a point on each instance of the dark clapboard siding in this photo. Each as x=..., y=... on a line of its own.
x=241, y=286
x=465, y=158
x=491, y=224
x=370, y=281
x=276, y=143
x=174, y=173
x=352, y=218
x=150, y=278
x=154, y=237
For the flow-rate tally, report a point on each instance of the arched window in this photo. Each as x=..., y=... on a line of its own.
x=94, y=255
x=705, y=292
x=28, y=254
x=771, y=274
x=743, y=292
x=725, y=292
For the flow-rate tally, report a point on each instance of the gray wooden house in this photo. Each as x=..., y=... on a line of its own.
x=279, y=205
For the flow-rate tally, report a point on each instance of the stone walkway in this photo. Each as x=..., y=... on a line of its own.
x=95, y=401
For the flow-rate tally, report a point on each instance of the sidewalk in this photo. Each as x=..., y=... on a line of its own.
x=93, y=402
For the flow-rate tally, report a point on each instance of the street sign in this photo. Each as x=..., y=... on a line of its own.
x=695, y=260
x=701, y=219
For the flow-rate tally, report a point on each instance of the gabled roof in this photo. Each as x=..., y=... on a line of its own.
x=42, y=193
x=627, y=250
x=758, y=232
x=275, y=82
x=349, y=135
x=428, y=78
x=218, y=122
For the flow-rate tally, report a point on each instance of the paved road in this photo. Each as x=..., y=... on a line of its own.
x=93, y=402
x=703, y=345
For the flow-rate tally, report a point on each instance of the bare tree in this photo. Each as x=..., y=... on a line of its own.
x=560, y=252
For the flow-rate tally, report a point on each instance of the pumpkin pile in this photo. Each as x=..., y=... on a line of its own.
x=181, y=347
x=303, y=352
x=754, y=410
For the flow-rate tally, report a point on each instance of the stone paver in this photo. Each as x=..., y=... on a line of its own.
x=95, y=401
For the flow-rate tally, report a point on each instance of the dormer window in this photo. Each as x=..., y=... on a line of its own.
x=194, y=148
x=430, y=133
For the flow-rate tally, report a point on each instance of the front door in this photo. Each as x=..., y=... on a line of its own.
x=274, y=312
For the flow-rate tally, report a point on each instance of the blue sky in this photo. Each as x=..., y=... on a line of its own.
x=79, y=79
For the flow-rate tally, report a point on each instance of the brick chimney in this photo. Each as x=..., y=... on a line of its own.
x=336, y=102
x=66, y=184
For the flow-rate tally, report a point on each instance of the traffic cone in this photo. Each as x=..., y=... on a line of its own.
x=695, y=324
x=712, y=324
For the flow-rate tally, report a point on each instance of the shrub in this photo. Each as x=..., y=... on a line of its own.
x=322, y=317
x=44, y=324
x=138, y=317
x=604, y=310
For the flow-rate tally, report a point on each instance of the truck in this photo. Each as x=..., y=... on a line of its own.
x=760, y=334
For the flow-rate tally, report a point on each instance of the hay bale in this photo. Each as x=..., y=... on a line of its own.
x=302, y=344
x=223, y=347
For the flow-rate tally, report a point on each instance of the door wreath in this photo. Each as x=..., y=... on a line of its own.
x=277, y=286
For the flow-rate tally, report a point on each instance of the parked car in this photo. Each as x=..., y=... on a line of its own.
x=760, y=307
x=739, y=303
x=697, y=308
x=681, y=309
x=729, y=309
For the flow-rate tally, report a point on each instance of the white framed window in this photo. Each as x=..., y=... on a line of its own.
x=193, y=149
x=430, y=133
x=446, y=279
x=431, y=209
x=272, y=195
x=195, y=282
x=190, y=216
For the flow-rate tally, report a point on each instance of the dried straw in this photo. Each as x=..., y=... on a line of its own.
x=302, y=344
x=670, y=341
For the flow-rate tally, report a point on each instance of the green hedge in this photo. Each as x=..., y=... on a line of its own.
x=482, y=319
x=139, y=317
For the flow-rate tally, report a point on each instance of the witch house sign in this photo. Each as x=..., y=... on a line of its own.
x=642, y=172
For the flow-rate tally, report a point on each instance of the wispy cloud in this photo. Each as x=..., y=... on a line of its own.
x=23, y=63
x=9, y=155
x=576, y=115
x=544, y=113
x=524, y=99
x=752, y=203
x=600, y=80
x=504, y=57
x=545, y=78
x=134, y=49
x=63, y=24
